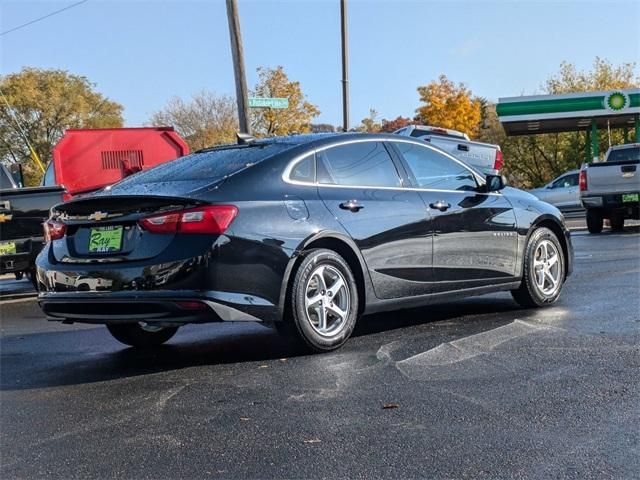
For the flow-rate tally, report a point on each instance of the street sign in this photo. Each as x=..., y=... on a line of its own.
x=266, y=102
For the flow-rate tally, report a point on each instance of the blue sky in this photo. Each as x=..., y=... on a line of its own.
x=141, y=53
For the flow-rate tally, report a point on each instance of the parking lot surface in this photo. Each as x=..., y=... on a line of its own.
x=478, y=388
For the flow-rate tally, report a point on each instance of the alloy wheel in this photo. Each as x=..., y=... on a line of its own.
x=327, y=300
x=547, y=268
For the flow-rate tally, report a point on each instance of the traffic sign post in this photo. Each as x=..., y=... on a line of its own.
x=266, y=102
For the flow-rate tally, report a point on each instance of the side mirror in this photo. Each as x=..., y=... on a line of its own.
x=495, y=183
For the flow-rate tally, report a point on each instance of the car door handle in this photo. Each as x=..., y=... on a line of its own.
x=351, y=205
x=440, y=205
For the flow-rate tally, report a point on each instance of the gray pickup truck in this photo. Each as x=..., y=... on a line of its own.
x=611, y=189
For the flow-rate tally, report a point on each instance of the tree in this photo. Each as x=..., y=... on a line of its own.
x=274, y=82
x=448, y=105
x=206, y=119
x=533, y=160
x=46, y=103
x=396, y=124
x=369, y=124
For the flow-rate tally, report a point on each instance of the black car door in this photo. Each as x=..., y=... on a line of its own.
x=362, y=187
x=474, y=238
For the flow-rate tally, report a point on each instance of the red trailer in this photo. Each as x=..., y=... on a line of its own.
x=89, y=159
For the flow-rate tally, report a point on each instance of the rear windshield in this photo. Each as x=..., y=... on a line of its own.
x=206, y=166
x=624, y=154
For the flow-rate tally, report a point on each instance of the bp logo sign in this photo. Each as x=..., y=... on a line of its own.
x=616, y=101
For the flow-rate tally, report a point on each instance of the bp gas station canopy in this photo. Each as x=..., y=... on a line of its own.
x=588, y=111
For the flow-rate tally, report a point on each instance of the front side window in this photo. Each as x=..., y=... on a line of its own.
x=566, y=181
x=358, y=164
x=434, y=170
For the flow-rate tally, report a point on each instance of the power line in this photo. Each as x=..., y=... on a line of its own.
x=42, y=18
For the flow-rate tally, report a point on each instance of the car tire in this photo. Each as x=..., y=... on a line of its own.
x=617, y=222
x=19, y=275
x=594, y=221
x=539, y=270
x=141, y=336
x=323, y=285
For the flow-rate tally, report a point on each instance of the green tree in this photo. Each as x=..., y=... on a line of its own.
x=206, y=119
x=274, y=82
x=448, y=105
x=46, y=103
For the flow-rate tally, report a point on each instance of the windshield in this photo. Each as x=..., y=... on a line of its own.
x=624, y=154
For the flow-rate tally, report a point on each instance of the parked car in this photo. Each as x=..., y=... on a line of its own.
x=611, y=189
x=306, y=233
x=562, y=192
x=485, y=157
x=84, y=160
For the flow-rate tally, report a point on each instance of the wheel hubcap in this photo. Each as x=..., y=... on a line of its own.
x=546, y=268
x=327, y=300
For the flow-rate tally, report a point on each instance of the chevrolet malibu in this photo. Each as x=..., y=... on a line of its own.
x=306, y=233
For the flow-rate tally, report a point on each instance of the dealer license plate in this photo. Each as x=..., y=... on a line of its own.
x=8, y=248
x=105, y=239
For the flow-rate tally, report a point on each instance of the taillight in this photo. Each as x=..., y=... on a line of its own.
x=582, y=180
x=498, y=162
x=213, y=219
x=53, y=230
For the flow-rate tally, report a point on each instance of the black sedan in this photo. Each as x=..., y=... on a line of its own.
x=306, y=233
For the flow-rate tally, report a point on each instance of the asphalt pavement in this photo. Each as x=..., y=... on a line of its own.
x=477, y=388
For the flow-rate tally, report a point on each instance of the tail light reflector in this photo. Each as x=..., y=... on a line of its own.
x=582, y=180
x=53, y=230
x=192, y=305
x=212, y=219
x=497, y=164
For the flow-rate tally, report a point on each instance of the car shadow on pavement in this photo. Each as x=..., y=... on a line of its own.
x=89, y=355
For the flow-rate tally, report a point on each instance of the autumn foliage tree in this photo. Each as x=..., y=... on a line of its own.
x=205, y=120
x=369, y=124
x=45, y=104
x=274, y=82
x=396, y=124
x=449, y=105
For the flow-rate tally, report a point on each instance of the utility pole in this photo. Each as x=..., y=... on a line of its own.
x=237, y=53
x=345, y=67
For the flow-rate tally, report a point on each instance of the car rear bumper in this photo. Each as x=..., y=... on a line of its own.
x=192, y=290
x=162, y=307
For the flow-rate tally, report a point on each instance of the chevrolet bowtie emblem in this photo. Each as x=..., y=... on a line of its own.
x=5, y=218
x=98, y=216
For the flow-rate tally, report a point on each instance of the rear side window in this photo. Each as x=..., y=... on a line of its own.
x=305, y=170
x=434, y=170
x=365, y=164
x=210, y=165
x=624, y=154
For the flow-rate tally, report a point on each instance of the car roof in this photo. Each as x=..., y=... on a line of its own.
x=314, y=140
